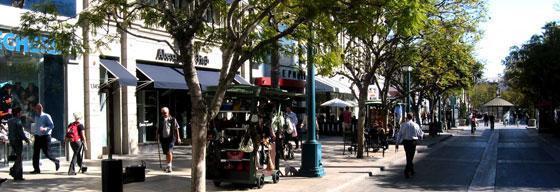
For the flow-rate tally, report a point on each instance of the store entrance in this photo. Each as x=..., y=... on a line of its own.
x=149, y=104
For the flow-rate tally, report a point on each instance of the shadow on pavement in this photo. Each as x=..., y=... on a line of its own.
x=443, y=174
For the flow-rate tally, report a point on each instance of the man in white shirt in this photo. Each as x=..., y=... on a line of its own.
x=292, y=119
x=408, y=135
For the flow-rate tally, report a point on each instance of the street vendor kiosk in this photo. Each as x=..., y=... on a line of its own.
x=240, y=151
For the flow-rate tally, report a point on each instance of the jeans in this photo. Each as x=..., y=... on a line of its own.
x=77, y=157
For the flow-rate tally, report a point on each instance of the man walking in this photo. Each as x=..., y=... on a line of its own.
x=16, y=136
x=43, y=129
x=492, y=119
x=168, y=134
x=292, y=119
x=408, y=135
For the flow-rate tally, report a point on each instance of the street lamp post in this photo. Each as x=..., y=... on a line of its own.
x=311, y=165
x=408, y=70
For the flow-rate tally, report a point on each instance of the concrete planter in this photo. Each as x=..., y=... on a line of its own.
x=462, y=122
x=532, y=123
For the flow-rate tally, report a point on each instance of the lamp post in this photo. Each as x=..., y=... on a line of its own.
x=408, y=70
x=311, y=165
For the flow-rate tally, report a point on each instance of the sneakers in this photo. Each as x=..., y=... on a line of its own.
x=71, y=173
x=167, y=169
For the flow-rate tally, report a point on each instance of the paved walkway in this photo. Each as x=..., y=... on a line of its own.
x=506, y=159
x=342, y=172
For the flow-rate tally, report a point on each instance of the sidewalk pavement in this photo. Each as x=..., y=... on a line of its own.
x=341, y=171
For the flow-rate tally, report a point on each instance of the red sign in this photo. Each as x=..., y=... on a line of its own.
x=284, y=83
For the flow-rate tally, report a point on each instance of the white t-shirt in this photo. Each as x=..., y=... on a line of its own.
x=167, y=127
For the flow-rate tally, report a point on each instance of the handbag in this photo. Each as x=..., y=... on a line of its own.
x=246, y=144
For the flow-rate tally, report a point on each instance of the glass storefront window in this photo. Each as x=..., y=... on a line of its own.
x=34, y=78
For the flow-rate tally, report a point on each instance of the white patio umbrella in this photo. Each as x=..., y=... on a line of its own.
x=336, y=103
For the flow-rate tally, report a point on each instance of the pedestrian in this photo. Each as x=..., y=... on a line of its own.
x=76, y=135
x=167, y=134
x=6, y=103
x=42, y=135
x=473, y=122
x=492, y=119
x=346, y=119
x=485, y=119
x=292, y=121
x=408, y=135
x=16, y=136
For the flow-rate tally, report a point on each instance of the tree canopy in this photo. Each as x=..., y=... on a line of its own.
x=534, y=68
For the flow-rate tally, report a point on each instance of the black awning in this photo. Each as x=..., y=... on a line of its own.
x=123, y=76
x=163, y=77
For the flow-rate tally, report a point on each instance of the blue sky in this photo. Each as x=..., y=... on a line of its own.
x=512, y=22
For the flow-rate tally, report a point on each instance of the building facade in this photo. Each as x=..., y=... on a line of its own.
x=119, y=88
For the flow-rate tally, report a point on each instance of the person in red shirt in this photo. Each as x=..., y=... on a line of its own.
x=346, y=119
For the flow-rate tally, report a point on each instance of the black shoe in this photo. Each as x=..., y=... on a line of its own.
x=3, y=180
x=35, y=172
x=72, y=173
x=19, y=179
x=57, y=165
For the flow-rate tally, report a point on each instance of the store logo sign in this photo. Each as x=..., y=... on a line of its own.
x=170, y=57
x=13, y=42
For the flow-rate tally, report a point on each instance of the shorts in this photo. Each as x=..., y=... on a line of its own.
x=167, y=144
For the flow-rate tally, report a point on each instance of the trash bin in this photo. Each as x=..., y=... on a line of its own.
x=112, y=175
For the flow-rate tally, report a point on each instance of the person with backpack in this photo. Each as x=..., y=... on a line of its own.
x=168, y=133
x=76, y=135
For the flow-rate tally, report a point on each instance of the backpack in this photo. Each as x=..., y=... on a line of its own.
x=72, y=132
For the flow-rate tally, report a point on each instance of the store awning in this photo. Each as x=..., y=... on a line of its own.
x=322, y=85
x=163, y=77
x=325, y=84
x=212, y=78
x=240, y=80
x=123, y=76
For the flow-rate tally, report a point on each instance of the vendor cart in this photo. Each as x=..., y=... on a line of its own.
x=235, y=153
x=237, y=166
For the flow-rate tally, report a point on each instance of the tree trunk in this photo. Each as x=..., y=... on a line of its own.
x=199, y=117
x=361, y=121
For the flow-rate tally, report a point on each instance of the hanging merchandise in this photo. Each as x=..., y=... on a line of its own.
x=246, y=144
x=278, y=120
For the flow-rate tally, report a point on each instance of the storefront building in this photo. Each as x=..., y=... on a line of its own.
x=119, y=89
x=36, y=75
